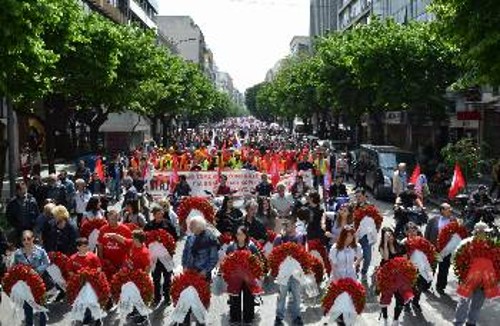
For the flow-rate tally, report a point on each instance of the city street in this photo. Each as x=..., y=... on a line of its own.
x=124, y=121
x=436, y=310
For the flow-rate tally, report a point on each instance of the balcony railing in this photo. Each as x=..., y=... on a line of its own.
x=112, y=12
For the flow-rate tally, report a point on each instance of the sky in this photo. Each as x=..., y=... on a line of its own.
x=247, y=37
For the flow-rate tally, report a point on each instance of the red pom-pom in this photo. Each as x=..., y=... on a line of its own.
x=199, y=203
x=132, y=226
x=424, y=245
x=317, y=268
x=355, y=289
x=163, y=237
x=386, y=276
x=108, y=268
x=316, y=245
x=96, y=279
x=368, y=210
x=141, y=279
x=477, y=248
x=90, y=225
x=296, y=251
x=240, y=268
x=27, y=274
x=448, y=231
x=60, y=260
x=194, y=279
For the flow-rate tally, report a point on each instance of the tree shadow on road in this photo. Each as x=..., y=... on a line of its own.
x=443, y=304
x=57, y=311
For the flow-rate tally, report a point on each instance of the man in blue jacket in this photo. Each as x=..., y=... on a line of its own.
x=201, y=249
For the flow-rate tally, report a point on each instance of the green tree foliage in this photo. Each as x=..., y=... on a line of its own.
x=466, y=153
x=34, y=33
x=51, y=52
x=267, y=101
x=386, y=66
x=473, y=27
x=251, y=100
x=373, y=68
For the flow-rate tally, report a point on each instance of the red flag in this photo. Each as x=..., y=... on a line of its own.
x=275, y=171
x=457, y=183
x=99, y=169
x=415, y=174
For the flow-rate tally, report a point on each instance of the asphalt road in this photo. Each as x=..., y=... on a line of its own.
x=436, y=310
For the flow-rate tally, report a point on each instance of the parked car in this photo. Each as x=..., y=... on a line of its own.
x=352, y=157
x=381, y=161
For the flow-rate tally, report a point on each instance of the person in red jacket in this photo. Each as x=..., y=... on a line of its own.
x=138, y=258
x=84, y=258
x=138, y=255
x=112, y=252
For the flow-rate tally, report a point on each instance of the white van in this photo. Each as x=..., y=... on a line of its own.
x=298, y=125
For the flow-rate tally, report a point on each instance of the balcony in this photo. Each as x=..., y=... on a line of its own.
x=110, y=11
x=141, y=14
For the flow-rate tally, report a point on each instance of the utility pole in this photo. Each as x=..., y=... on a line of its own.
x=11, y=125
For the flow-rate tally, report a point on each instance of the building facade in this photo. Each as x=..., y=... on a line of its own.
x=186, y=36
x=140, y=12
x=224, y=83
x=403, y=11
x=300, y=45
x=322, y=17
x=353, y=12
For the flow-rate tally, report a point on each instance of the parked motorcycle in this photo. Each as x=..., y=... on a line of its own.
x=404, y=215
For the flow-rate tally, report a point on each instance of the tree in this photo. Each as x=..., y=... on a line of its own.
x=384, y=66
x=24, y=56
x=268, y=104
x=473, y=27
x=110, y=69
x=34, y=35
x=466, y=153
x=251, y=98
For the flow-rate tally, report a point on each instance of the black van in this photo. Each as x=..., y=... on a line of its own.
x=380, y=162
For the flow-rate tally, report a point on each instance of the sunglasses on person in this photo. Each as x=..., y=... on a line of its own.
x=349, y=227
x=28, y=239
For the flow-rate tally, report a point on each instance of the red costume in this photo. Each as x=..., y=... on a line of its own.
x=78, y=262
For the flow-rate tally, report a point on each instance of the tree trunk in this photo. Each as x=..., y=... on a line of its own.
x=154, y=127
x=95, y=123
x=74, y=136
x=10, y=145
x=53, y=106
x=164, y=121
x=359, y=133
x=3, y=156
x=378, y=128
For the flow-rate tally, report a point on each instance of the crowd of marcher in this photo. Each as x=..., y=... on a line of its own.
x=322, y=216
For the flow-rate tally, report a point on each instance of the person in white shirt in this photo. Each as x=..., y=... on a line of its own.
x=282, y=201
x=81, y=199
x=346, y=255
x=93, y=209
